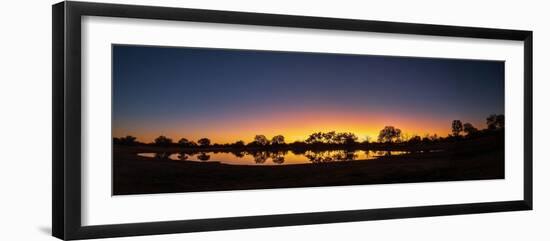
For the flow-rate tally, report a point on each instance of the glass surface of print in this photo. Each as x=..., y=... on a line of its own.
x=203, y=119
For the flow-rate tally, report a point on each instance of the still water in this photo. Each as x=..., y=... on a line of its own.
x=273, y=157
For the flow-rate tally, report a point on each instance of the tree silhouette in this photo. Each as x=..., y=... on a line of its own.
x=163, y=141
x=192, y=144
x=457, y=127
x=204, y=142
x=183, y=142
x=389, y=134
x=332, y=137
x=495, y=122
x=469, y=129
x=315, y=138
x=346, y=138
x=278, y=140
x=329, y=137
x=261, y=140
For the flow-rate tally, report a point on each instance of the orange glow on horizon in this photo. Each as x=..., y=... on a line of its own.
x=294, y=126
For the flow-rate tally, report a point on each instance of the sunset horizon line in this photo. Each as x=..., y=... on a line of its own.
x=360, y=137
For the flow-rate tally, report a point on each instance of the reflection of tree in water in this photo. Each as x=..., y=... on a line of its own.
x=203, y=157
x=318, y=156
x=183, y=156
x=383, y=153
x=238, y=154
x=278, y=157
x=299, y=151
x=260, y=156
x=350, y=156
x=162, y=155
x=368, y=154
x=391, y=153
x=330, y=156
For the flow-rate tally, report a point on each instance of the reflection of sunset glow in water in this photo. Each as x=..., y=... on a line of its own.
x=274, y=158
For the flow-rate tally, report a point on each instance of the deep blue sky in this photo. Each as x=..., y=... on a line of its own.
x=193, y=91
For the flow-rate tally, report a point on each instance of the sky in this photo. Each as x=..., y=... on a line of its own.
x=229, y=95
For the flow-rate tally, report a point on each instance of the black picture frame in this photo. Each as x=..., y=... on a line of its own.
x=66, y=47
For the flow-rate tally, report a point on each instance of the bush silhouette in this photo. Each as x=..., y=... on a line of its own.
x=163, y=141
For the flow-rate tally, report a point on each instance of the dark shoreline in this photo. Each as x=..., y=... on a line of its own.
x=477, y=160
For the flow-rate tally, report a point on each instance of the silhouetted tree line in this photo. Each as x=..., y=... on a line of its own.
x=127, y=140
x=388, y=136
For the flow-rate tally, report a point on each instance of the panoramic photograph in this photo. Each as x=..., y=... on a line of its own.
x=204, y=119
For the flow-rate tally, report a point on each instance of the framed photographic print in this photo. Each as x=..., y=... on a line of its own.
x=170, y=120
